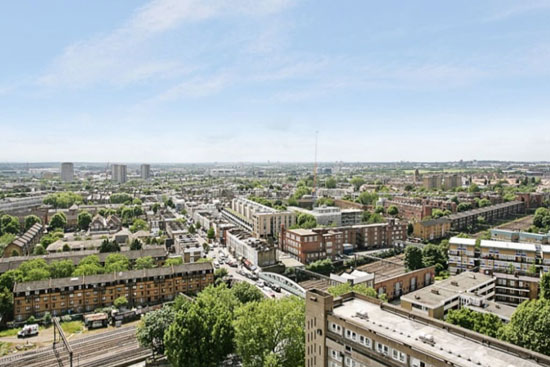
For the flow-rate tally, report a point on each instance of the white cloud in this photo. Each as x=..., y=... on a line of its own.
x=519, y=8
x=122, y=56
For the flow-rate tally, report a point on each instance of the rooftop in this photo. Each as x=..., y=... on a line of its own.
x=508, y=245
x=455, y=349
x=462, y=241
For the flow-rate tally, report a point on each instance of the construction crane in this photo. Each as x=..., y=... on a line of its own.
x=314, y=191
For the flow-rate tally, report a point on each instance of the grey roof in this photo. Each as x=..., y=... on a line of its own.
x=111, y=277
x=483, y=210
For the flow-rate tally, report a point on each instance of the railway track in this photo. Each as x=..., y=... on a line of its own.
x=104, y=349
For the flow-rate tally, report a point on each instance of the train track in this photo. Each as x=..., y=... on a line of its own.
x=104, y=349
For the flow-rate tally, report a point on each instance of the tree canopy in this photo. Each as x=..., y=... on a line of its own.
x=58, y=221
x=413, y=258
x=31, y=220
x=62, y=200
x=484, y=323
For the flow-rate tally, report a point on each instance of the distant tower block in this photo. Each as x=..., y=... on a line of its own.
x=67, y=172
x=145, y=171
x=118, y=173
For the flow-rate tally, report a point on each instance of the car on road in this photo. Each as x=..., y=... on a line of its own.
x=275, y=287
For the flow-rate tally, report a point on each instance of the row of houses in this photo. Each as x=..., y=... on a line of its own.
x=24, y=245
x=87, y=293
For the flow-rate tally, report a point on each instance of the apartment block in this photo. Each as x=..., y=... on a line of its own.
x=145, y=171
x=261, y=220
x=449, y=294
x=67, y=172
x=86, y=293
x=358, y=331
x=517, y=236
x=499, y=255
x=463, y=220
x=444, y=182
x=432, y=229
x=545, y=258
x=118, y=173
x=259, y=252
x=462, y=254
x=513, y=289
x=309, y=245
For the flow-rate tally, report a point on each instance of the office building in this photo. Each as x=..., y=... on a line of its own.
x=145, y=171
x=67, y=172
x=359, y=331
x=118, y=173
x=87, y=293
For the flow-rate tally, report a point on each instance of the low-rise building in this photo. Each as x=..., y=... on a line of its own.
x=24, y=245
x=309, y=245
x=359, y=331
x=449, y=294
x=87, y=293
x=259, y=252
x=517, y=236
x=513, y=289
x=432, y=229
x=469, y=218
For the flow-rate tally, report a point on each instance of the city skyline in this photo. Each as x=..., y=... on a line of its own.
x=240, y=81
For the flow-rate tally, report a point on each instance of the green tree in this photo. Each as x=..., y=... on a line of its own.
x=66, y=247
x=61, y=268
x=152, y=328
x=62, y=200
x=473, y=188
x=116, y=263
x=330, y=183
x=136, y=245
x=9, y=224
x=357, y=182
x=484, y=323
x=31, y=220
x=191, y=229
x=392, y=210
x=202, y=332
x=271, y=329
x=109, y=246
x=462, y=207
x=433, y=255
x=58, y=221
x=121, y=302
x=210, y=234
x=146, y=262
x=344, y=288
x=438, y=213
x=220, y=273
x=367, y=198
x=173, y=261
x=10, y=277
x=545, y=286
x=121, y=198
x=139, y=225
x=50, y=238
x=246, y=292
x=39, y=250
x=87, y=269
x=6, y=303
x=83, y=220
x=306, y=221
x=321, y=266
x=529, y=326
x=413, y=258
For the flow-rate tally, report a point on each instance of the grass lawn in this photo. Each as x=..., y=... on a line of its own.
x=9, y=332
x=5, y=348
x=72, y=327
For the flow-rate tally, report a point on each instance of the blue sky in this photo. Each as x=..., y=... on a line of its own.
x=252, y=80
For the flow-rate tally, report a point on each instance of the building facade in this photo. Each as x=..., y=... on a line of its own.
x=432, y=229
x=67, y=172
x=86, y=293
x=462, y=254
x=257, y=251
x=118, y=173
x=24, y=245
x=145, y=171
x=359, y=331
x=463, y=220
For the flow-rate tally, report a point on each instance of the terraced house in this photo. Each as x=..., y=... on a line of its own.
x=86, y=293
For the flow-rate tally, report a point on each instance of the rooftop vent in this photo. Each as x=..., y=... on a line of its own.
x=455, y=283
x=435, y=291
x=427, y=339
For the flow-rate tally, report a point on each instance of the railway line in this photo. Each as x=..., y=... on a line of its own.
x=108, y=349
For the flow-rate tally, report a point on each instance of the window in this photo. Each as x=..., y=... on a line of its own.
x=365, y=341
x=351, y=335
x=336, y=328
x=398, y=356
x=382, y=349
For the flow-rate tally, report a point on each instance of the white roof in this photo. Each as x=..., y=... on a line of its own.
x=462, y=241
x=545, y=248
x=508, y=245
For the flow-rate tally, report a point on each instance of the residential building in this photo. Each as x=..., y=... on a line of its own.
x=324, y=215
x=469, y=218
x=444, y=182
x=100, y=224
x=351, y=217
x=67, y=172
x=309, y=245
x=499, y=255
x=261, y=220
x=118, y=173
x=432, y=229
x=257, y=251
x=517, y=236
x=87, y=293
x=359, y=331
x=24, y=245
x=145, y=171
x=449, y=294
x=545, y=258
x=462, y=255
x=513, y=289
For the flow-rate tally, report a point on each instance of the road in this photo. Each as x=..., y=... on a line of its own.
x=213, y=253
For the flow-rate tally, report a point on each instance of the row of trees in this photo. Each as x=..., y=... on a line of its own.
x=62, y=200
x=222, y=321
x=429, y=255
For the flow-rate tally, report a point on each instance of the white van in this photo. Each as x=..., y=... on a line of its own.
x=28, y=330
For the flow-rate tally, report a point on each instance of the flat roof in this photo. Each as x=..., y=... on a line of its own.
x=436, y=294
x=508, y=245
x=462, y=241
x=456, y=349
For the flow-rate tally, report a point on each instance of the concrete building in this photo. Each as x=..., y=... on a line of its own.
x=463, y=220
x=517, y=236
x=545, y=258
x=118, y=173
x=351, y=217
x=145, y=171
x=67, y=172
x=499, y=255
x=513, y=289
x=261, y=220
x=444, y=182
x=309, y=245
x=461, y=254
x=258, y=252
x=449, y=294
x=359, y=331
x=86, y=293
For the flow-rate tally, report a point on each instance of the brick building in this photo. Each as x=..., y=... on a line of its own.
x=24, y=244
x=432, y=228
x=86, y=293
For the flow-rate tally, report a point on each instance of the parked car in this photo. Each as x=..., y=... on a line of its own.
x=275, y=287
x=28, y=330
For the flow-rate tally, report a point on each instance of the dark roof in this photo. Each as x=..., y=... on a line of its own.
x=484, y=210
x=111, y=277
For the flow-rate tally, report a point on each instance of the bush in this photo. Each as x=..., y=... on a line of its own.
x=47, y=319
x=31, y=320
x=121, y=302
